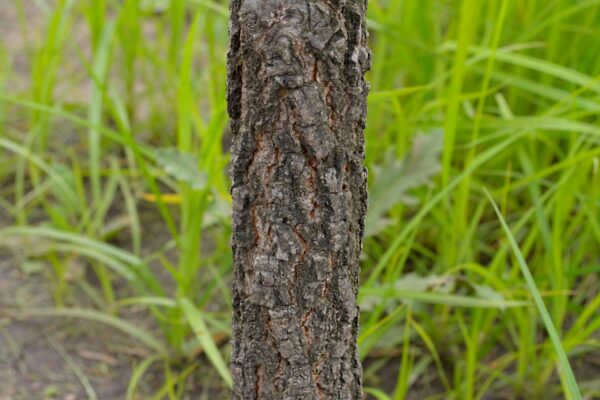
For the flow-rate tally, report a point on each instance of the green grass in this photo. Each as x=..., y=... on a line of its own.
x=130, y=178
x=566, y=370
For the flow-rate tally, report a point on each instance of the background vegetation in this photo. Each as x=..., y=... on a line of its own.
x=114, y=189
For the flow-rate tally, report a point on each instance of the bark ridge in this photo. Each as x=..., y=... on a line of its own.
x=297, y=101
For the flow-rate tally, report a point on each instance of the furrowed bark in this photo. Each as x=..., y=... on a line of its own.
x=297, y=101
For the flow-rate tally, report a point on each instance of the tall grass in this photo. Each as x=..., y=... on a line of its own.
x=466, y=95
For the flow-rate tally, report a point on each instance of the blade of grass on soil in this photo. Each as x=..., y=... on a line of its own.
x=196, y=321
x=97, y=316
x=565, y=366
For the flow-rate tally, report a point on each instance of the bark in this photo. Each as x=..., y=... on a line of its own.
x=297, y=101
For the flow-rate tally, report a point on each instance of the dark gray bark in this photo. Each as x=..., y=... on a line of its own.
x=297, y=101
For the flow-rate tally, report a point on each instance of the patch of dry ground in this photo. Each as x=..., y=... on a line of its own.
x=33, y=364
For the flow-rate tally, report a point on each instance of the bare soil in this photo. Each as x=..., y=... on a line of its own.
x=31, y=365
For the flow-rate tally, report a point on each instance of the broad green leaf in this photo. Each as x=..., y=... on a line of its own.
x=394, y=178
x=181, y=166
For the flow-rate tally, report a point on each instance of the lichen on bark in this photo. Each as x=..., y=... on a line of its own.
x=297, y=101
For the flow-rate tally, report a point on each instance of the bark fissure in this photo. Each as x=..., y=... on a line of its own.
x=297, y=101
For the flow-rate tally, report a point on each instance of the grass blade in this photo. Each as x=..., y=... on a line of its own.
x=85, y=382
x=196, y=321
x=137, y=374
x=453, y=300
x=100, y=68
x=102, y=251
x=97, y=316
x=565, y=366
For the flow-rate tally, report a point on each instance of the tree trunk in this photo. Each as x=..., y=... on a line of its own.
x=297, y=101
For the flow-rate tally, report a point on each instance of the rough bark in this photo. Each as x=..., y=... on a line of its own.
x=297, y=101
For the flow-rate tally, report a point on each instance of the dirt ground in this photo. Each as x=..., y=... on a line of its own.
x=40, y=358
x=35, y=353
x=46, y=357
x=43, y=357
x=51, y=357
